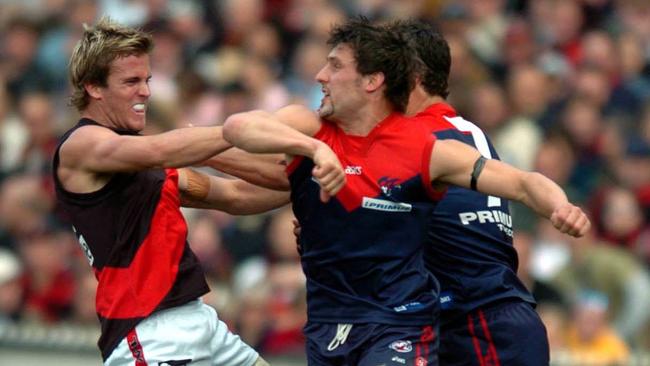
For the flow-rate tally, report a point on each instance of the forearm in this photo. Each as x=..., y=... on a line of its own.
x=541, y=194
x=264, y=170
x=233, y=196
x=188, y=146
x=261, y=132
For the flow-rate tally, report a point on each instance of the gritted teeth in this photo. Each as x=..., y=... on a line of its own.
x=140, y=107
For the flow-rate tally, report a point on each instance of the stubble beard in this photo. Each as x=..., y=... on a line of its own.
x=326, y=110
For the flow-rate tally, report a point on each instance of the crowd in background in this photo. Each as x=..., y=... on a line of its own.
x=560, y=86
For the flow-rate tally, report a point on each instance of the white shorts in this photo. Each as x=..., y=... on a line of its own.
x=190, y=334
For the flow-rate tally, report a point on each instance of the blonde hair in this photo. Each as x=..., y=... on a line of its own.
x=99, y=46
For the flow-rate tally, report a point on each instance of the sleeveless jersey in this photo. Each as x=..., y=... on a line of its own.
x=362, y=251
x=134, y=236
x=470, y=248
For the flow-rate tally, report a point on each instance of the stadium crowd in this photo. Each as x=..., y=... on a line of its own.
x=560, y=86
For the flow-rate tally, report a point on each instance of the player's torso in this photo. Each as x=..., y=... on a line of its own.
x=362, y=251
x=470, y=248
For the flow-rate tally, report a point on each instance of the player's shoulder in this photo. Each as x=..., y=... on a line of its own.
x=437, y=117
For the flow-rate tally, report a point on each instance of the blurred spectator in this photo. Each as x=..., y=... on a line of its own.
x=544, y=293
x=48, y=281
x=518, y=139
x=614, y=272
x=24, y=209
x=13, y=134
x=36, y=113
x=282, y=242
x=621, y=220
x=83, y=302
x=18, y=46
x=205, y=240
x=307, y=61
x=590, y=339
x=11, y=291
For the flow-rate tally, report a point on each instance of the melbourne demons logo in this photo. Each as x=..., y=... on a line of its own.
x=387, y=184
x=401, y=346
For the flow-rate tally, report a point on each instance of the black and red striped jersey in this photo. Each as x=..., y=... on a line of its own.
x=135, y=238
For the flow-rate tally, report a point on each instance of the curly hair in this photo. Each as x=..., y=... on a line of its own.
x=99, y=46
x=378, y=49
x=432, y=52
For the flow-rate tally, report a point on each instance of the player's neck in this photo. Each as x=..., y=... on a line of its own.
x=419, y=100
x=366, y=118
x=95, y=113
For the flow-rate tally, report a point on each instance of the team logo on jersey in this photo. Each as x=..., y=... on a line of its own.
x=84, y=246
x=353, y=170
x=500, y=218
x=401, y=346
x=398, y=360
x=387, y=184
x=384, y=205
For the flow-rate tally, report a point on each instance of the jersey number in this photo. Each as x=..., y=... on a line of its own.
x=481, y=143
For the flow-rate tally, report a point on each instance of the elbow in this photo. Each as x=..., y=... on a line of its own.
x=234, y=126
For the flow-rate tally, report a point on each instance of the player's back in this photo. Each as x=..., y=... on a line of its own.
x=362, y=251
x=469, y=248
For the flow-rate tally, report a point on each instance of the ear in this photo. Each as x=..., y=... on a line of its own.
x=374, y=81
x=95, y=91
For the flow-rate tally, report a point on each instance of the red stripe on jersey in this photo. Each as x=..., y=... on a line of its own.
x=491, y=348
x=136, y=291
x=475, y=341
x=433, y=115
x=295, y=162
x=293, y=165
x=136, y=348
x=426, y=172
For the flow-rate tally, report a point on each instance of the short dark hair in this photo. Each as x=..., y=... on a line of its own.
x=378, y=49
x=432, y=52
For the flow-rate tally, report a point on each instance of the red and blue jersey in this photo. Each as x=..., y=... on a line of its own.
x=362, y=252
x=469, y=247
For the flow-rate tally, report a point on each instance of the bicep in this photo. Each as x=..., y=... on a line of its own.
x=300, y=118
x=452, y=162
x=101, y=150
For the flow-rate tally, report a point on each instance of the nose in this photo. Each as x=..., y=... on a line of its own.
x=145, y=91
x=321, y=76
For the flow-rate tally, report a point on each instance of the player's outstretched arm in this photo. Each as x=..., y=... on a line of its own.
x=266, y=170
x=454, y=162
x=99, y=150
x=287, y=131
x=233, y=196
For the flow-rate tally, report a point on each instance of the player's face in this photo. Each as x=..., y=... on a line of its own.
x=342, y=84
x=124, y=99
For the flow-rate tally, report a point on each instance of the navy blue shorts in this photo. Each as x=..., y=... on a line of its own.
x=370, y=345
x=503, y=334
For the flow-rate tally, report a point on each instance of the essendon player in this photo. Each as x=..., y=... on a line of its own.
x=370, y=299
x=122, y=193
